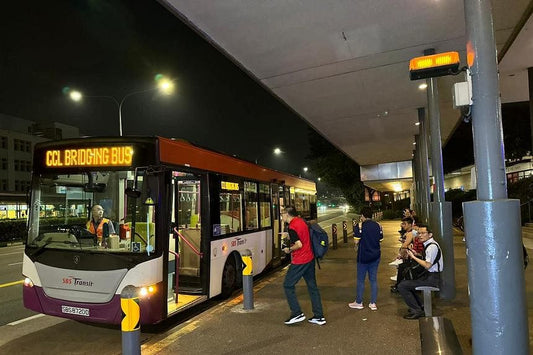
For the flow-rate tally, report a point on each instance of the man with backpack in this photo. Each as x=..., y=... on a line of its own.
x=367, y=236
x=433, y=262
x=302, y=265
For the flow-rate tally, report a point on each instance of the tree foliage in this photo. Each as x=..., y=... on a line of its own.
x=336, y=169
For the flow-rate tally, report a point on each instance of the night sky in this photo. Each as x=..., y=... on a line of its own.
x=112, y=48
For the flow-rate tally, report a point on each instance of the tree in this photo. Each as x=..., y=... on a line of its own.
x=336, y=169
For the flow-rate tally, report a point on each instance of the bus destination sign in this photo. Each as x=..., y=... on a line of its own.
x=97, y=156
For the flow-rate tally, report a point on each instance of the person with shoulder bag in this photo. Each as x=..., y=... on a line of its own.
x=431, y=265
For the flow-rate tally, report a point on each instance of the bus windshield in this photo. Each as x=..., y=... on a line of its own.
x=91, y=211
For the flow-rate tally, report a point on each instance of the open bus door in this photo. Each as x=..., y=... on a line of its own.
x=185, y=251
x=276, y=225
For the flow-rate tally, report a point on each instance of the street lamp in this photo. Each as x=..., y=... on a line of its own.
x=165, y=86
x=276, y=151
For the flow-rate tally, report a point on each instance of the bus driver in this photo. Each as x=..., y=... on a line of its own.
x=100, y=226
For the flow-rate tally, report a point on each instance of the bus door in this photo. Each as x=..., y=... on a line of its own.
x=185, y=244
x=277, y=224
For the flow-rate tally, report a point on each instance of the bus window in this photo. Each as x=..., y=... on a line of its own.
x=61, y=211
x=250, y=205
x=264, y=205
x=230, y=212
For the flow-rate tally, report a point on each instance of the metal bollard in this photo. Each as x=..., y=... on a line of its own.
x=334, y=235
x=344, y=232
x=247, y=280
x=130, y=325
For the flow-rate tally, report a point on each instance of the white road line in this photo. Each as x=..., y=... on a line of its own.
x=19, y=252
x=14, y=264
x=26, y=319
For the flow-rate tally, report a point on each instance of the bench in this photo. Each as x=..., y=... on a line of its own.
x=428, y=308
x=437, y=336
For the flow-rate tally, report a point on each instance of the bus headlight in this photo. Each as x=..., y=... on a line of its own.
x=146, y=291
x=28, y=282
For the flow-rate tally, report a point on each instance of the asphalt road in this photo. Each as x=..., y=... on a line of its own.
x=11, y=308
x=26, y=332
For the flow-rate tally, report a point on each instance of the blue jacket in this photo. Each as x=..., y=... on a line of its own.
x=370, y=236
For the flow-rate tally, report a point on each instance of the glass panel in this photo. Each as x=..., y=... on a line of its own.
x=83, y=211
x=250, y=205
x=230, y=213
x=264, y=205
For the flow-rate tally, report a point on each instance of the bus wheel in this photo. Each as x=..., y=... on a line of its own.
x=229, y=277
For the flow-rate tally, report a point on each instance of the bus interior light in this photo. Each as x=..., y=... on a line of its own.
x=434, y=65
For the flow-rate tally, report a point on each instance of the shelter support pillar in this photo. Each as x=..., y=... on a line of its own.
x=440, y=211
x=492, y=223
x=422, y=146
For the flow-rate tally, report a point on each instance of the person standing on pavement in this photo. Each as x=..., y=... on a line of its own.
x=368, y=235
x=302, y=265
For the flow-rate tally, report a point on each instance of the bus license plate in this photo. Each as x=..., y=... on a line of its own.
x=75, y=310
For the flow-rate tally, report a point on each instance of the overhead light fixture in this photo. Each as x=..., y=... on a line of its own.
x=414, y=143
x=417, y=123
x=435, y=65
x=423, y=86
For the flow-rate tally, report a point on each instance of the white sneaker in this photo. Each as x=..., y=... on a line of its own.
x=396, y=262
x=356, y=305
x=394, y=278
x=373, y=306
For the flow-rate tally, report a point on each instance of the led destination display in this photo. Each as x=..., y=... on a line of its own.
x=98, y=156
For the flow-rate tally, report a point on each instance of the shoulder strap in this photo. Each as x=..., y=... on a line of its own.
x=437, y=258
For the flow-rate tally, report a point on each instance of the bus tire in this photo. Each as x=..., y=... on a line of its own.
x=229, y=277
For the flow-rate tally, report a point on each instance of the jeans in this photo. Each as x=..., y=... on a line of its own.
x=294, y=274
x=372, y=269
x=407, y=289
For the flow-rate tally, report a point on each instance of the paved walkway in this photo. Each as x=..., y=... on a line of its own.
x=228, y=329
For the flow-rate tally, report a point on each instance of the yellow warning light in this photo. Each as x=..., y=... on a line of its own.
x=434, y=65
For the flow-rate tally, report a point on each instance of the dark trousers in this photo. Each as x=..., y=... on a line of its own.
x=294, y=274
x=407, y=289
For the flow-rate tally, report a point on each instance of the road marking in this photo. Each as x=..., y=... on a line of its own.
x=12, y=283
x=19, y=252
x=14, y=264
x=26, y=319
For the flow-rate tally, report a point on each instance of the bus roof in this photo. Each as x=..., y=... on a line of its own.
x=184, y=153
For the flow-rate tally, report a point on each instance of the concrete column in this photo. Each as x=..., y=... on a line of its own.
x=492, y=223
x=422, y=146
x=530, y=80
x=441, y=211
x=418, y=202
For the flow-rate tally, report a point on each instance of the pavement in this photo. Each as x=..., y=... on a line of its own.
x=229, y=329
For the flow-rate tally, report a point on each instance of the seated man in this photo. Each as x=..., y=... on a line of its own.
x=100, y=226
x=433, y=262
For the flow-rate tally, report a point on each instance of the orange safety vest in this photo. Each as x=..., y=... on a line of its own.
x=100, y=229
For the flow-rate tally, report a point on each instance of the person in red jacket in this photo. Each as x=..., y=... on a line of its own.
x=100, y=226
x=302, y=265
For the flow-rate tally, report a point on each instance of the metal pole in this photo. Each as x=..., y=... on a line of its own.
x=418, y=204
x=530, y=81
x=441, y=211
x=422, y=145
x=492, y=223
x=130, y=325
x=247, y=280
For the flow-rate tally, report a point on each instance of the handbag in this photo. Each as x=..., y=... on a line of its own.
x=414, y=271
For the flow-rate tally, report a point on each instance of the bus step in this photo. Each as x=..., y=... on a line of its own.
x=192, y=290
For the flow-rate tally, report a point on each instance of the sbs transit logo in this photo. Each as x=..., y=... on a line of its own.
x=77, y=281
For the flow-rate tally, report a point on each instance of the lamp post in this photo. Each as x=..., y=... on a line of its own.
x=165, y=86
